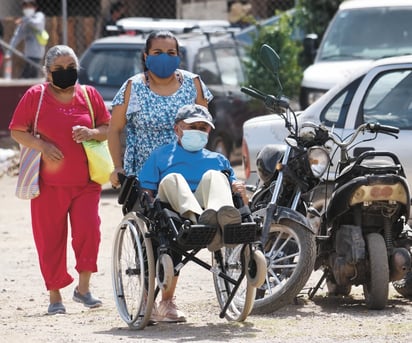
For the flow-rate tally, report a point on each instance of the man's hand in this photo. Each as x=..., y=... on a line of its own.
x=239, y=187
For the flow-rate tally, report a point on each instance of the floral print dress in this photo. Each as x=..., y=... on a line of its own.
x=150, y=117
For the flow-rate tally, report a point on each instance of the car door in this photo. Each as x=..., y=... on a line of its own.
x=385, y=96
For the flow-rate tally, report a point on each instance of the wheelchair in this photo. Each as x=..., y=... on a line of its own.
x=149, y=237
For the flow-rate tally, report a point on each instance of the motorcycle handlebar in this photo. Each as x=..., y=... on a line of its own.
x=376, y=127
x=371, y=127
x=269, y=100
x=254, y=93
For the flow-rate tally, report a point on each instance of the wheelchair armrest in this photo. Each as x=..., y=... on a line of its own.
x=130, y=192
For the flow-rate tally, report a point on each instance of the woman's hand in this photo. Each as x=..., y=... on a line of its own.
x=114, y=178
x=50, y=151
x=82, y=133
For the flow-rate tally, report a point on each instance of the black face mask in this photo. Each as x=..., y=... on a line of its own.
x=64, y=78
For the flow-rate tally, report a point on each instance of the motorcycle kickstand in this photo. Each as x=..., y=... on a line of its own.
x=312, y=291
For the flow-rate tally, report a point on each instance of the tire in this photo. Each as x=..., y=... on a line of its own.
x=242, y=303
x=377, y=287
x=255, y=267
x=404, y=286
x=164, y=271
x=133, y=272
x=290, y=258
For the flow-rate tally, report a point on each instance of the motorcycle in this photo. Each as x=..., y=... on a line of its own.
x=364, y=238
x=288, y=174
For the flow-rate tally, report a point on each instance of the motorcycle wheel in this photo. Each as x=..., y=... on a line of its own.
x=404, y=286
x=376, y=288
x=290, y=258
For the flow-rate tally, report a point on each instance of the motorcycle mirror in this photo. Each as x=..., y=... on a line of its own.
x=270, y=59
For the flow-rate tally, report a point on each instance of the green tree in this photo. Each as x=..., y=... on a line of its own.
x=277, y=36
x=310, y=16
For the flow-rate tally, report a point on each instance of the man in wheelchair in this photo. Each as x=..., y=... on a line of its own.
x=197, y=183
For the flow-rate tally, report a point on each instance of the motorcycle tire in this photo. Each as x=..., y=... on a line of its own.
x=376, y=289
x=290, y=258
x=404, y=286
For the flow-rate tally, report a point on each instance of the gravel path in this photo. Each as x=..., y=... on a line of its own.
x=23, y=300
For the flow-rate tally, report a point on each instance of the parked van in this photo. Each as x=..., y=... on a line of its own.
x=361, y=31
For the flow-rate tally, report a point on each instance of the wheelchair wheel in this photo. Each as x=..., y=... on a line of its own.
x=242, y=302
x=164, y=271
x=133, y=272
x=256, y=267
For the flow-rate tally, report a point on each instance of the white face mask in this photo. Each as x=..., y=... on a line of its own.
x=28, y=12
x=194, y=140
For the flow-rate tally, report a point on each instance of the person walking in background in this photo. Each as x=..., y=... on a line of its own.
x=66, y=191
x=147, y=103
x=32, y=23
x=116, y=12
x=240, y=13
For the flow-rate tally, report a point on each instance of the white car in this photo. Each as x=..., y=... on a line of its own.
x=380, y=92
x=360, y=31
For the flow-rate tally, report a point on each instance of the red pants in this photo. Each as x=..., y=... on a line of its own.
x=50, y=213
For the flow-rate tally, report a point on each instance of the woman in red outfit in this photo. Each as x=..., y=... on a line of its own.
x=66, y=192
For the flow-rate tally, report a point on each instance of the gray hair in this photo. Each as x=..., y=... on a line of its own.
x=57, y=51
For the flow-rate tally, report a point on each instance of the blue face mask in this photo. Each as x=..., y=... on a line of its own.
x=194, y=140
x=162, y=65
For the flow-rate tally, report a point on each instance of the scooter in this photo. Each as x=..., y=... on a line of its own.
x=288, y=173
x=364, y=238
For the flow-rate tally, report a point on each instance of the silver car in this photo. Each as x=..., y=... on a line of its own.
x=380, y=92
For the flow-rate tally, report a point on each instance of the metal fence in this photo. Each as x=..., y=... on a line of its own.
x=78, y=22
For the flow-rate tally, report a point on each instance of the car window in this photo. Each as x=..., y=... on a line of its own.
x=111, y=67
x=230, y=66
x=334, y=114
x=389, y=99
x=359, y=33
x=205, y=65
x=219, y=65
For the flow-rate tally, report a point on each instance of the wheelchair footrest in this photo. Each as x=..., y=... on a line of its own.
x=196, y=236
x=239, y=233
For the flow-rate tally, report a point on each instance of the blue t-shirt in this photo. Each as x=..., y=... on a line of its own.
x=172, y=158
x=151, y=117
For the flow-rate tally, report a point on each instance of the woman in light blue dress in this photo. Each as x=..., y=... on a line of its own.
x=147, y=104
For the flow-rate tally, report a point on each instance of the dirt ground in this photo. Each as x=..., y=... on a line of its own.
x=24, y=300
